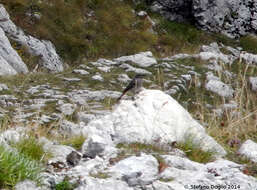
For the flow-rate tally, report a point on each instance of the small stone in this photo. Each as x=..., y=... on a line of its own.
x=3, y=87
x=249, y=150
x=72, y=79
x=80, y=71
x=253, y=83
x=97, y=77
x=73, y=158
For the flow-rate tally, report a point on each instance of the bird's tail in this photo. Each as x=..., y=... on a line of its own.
x=123, y=93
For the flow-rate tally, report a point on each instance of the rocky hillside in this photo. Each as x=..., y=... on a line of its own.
x=232, y=18
x=65, y=63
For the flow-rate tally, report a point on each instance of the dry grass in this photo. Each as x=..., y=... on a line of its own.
x=239, y=123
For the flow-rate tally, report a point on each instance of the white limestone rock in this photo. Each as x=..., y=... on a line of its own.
x=186, y=173
x=130, y=68
x=230, y=17
x=85, y=117
x=143, y=59
x=178, y=56
x=3, y=87
x=71, y=79
x=142, y=13
x=103, y=184
x=96, y=145
x=124, y=78
x=98, y=77
x=253, y=83
x=249, y=58
x=249, y=150
x=10, y=62
x=42, y=48
x=216, y=56
x=5, y=68
x=136, y=170
x=70, y=129
x=12, y=135
x=67, y=109
x=27, y=184
x=86, y=168
x=219, y=88
x=153, y=116
x=103, y=62
x=105, y=69
x=80, y=71
x=59, y=152
x=87, y=95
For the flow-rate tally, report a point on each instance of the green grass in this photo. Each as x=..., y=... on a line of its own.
x=194, y=152
x=250, y=168
x=65, y=185
x=249, y=43
x=135, y=149
x=77, y=33
x=31, y=148
x=75, y=141
x=101, y=175
x=16, y=167
x=140, y=147
x=166, y=180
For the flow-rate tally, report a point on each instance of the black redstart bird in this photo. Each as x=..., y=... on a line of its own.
x=135, y=85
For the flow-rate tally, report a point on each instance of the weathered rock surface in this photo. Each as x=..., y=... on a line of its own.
x=45, y=50
x=184, y=173
x=136, y=170
x=230, y=17
x=153, y=116
x=3, y=87
x=249, y=150
x=11, y=63
x=144, y=59
x=253, y=83
x=103, y=184
x=27, y=184
x=220, y=88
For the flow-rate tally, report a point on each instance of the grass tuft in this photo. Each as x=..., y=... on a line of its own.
x=249, y=43
x=65, y=185
x=194, y=152
x=75, y=141
x=31, y=148
x=16, y=167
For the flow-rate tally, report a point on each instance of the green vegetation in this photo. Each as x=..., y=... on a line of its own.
x=65, y=185
x=249, y=43
x=139, y=147
x=136, y=148
x=104, y=28
x=5, y=122
x=101, y=175
x=31, y=148
x=75, y=141
x=15, y=167
x=84, y=28
x=194, y=152
x=166, y=180
x=250, y=168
